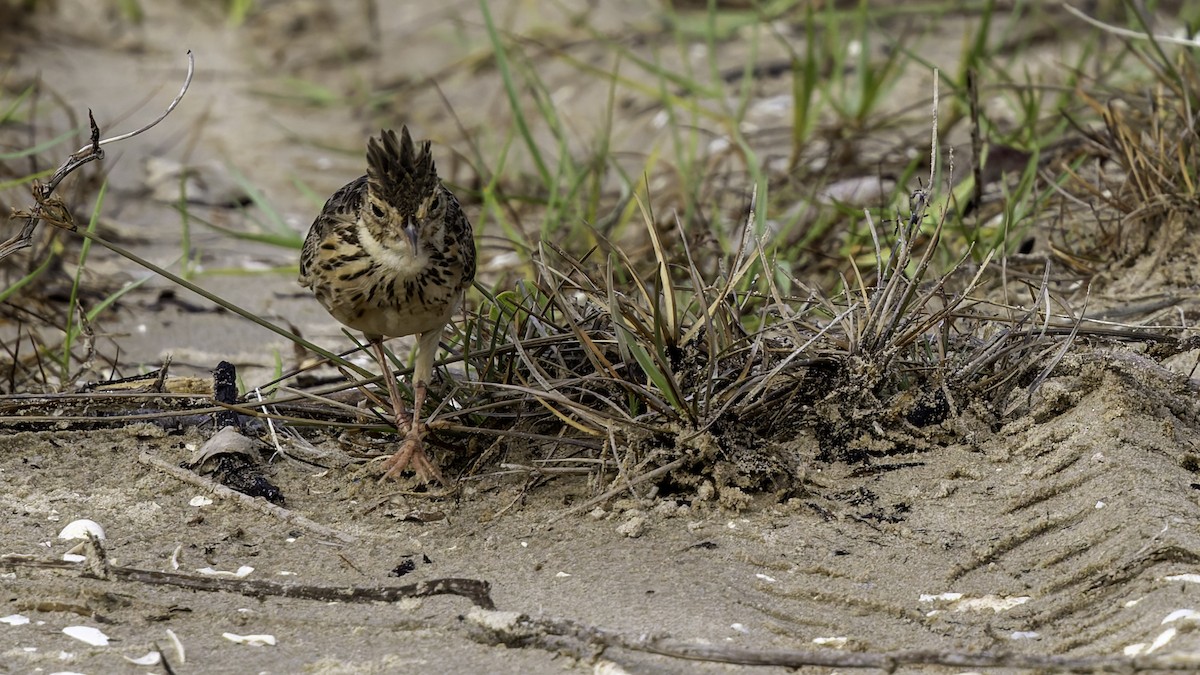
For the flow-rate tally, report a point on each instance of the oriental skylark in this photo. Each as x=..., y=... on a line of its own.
x=390, y=255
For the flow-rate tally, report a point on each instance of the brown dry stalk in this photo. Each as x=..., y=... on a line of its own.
x=474, y=590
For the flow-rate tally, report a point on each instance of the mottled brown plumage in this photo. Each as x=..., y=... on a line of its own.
x=390, y=255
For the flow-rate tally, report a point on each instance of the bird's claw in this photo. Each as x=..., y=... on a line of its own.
x=412, y=455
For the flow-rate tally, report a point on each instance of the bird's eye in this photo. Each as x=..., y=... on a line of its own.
x=435, y=203
x=377, y=210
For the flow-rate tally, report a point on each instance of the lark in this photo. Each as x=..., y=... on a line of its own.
x=391, y=255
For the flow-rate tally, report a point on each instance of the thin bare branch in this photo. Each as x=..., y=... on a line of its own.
x=91, y=152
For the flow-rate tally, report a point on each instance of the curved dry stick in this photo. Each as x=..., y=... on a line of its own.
x=187, y=82
x=88, y=153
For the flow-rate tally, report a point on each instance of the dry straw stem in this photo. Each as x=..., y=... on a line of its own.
x=106, y=409
x=42, y=192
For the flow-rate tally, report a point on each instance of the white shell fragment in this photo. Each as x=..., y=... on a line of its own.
x=200, y=500
x=252, y=640
x=80, y=529
x=1186, y=578
x=1182, y=615
x=92, y=636
x=1162, y=639
x=180, y=654
x=1177, y=615
x=15, y=619
x=242, y=571
x=150, y=659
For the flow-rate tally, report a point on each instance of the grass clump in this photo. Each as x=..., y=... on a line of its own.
x=726, y=382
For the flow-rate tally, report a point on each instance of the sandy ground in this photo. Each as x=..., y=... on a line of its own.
x=1069, y=530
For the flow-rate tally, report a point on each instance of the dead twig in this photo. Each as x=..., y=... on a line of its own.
x=476, y=591
x=587, y=642
x=91, y=152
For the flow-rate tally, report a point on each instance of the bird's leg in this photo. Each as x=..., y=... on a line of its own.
x=412, y=449
x=400, y=417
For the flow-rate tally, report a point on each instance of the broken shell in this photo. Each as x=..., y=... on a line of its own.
x=93, y=636
x=80, y=529
x=180, y=654
x=241, y=572
x=252, y=640
x=1184, y=614
x=227, y=441
x=150, y=659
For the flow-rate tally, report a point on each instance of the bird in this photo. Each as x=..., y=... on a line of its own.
x=391, y=254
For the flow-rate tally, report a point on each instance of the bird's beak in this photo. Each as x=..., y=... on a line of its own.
x=410, y=231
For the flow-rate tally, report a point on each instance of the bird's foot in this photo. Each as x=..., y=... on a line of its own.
x=412, y=455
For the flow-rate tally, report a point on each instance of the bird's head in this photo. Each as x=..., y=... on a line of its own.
x=405, y=199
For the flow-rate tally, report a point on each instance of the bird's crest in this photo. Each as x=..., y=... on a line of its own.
x=400, y=172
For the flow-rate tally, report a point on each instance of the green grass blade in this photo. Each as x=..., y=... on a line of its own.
x=514, y=98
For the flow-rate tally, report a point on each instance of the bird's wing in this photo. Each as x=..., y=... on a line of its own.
x=340, y=211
